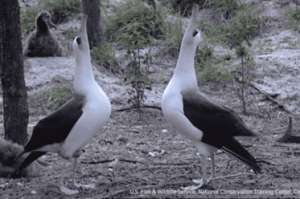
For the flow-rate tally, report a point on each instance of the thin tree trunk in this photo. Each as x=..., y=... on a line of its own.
x=94, y=24
x=15, y=105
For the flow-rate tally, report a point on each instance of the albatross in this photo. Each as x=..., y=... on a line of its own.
x=73, y=125
x=41, y=42
x=194, y=116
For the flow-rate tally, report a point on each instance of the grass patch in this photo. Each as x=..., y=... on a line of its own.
x=104, y=55
x=50, y=99
x=28, y=16
x=294, y=18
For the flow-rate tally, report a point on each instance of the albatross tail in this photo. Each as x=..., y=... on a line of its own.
x=28, y=160
x=234, y=148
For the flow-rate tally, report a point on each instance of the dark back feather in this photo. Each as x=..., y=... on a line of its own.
x=211, y=117
x=57, y=126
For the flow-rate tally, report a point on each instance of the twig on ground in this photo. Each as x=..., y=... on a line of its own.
x=112, y=160
x=131, y=161
x=98, y=161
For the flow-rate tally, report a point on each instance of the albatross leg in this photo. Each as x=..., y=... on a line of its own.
x=204, y=180
x=79, y=185
x=62, y=186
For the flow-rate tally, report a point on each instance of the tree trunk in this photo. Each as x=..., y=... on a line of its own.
x=15, y=105
x=94, y=24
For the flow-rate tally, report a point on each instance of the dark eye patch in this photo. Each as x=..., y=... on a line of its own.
x=78, y=40
x=195, y=33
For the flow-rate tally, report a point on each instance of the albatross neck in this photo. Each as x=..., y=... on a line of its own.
x=185, y=67
x=84, y=77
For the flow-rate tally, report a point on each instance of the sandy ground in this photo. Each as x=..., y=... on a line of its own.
x=136, y=154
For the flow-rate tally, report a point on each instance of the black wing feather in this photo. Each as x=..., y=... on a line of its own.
x=55, y=127
x=208, y=116
x=219, y=126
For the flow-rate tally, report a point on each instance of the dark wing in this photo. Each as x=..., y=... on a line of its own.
x=56, y=127
x=208, y=116
x=219, y=126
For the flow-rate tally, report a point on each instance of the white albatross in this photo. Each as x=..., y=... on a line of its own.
x=74, y=124
x=208, y=125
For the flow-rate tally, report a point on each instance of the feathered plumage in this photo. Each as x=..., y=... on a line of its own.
x=41, y=42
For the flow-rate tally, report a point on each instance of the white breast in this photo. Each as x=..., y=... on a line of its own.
x=96, y=113
x=172, y=108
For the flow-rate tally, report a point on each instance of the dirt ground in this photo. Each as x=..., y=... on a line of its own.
x=138, y=156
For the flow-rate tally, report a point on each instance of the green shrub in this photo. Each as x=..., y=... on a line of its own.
x=243, y=26
x=104, y=55
x=183, y=7
x=210, y=68
x=225, y=8
x=61, y=9
x=204, y=55
x=135, y=25
x=173, y=34
x=28, y=16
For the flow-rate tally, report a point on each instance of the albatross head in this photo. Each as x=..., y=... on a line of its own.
x=43, y=21
x=81, y=46
x=192, y=36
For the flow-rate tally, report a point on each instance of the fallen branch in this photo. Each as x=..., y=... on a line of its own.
x=272, y=99
x=268, y=96
x=135, y=107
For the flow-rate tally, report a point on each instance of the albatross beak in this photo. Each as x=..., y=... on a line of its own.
x=83, y=31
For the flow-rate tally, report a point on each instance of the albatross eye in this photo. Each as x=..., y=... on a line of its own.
x=78, y=40
x=195, y=33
